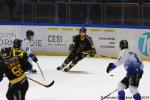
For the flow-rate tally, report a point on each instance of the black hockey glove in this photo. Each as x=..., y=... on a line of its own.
x=110, y=67
x=92, y=52
x=34, y=58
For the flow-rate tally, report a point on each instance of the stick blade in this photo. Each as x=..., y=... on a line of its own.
x=51, y=84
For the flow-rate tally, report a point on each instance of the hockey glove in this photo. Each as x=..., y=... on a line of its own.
x=33, y=57
x=92, y=52
x=110, y=67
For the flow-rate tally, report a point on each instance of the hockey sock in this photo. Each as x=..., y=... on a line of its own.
x=71, y=65
x=64, y=64
x=137, y=96
x=121, y=95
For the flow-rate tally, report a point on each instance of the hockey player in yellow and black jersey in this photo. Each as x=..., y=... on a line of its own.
x=16, y=49
x=81, y=47
x=14, y=67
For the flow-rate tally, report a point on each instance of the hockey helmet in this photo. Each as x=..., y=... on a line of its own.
x=17, y=43
x=29, y=33
x=83, y=29
x=123, y=44
x=5, y=51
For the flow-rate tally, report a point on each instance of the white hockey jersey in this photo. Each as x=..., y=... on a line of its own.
x=132, y=62
x=26, y=46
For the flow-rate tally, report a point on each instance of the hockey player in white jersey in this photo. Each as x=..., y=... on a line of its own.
x=134, y=67
x=26, y=46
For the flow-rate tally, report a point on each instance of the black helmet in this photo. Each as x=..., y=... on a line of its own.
x=5, y=51
x=83, y=29
x=29, y=33
x=17, y=43
x=123, y=44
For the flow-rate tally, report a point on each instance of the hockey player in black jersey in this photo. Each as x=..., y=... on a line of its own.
x=81, y=47
x=17, y=51
x=14, y=68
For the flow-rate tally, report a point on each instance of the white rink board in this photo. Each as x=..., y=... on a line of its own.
x=56, y=39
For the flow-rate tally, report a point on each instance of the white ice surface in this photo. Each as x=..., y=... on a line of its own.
x=88, y=80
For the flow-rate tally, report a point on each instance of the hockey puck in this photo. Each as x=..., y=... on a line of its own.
x=111, y=75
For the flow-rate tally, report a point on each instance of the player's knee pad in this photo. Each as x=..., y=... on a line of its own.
x=133, y=89
x=121, y=87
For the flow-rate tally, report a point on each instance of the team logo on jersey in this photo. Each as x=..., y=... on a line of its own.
x=144, y=44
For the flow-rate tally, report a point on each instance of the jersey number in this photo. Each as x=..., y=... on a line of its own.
x=132, y=53
x=16, y=70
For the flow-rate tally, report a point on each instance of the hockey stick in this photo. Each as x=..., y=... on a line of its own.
x=108, y=56
x=40, y=70
x=109, y=94
x=87, y=52
x=47, y=86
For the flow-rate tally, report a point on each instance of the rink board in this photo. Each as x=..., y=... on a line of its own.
x=54, y=40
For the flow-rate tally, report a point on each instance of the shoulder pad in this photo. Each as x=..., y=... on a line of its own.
x=88, y=37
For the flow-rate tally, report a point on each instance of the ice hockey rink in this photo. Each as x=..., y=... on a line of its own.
x=88, y=80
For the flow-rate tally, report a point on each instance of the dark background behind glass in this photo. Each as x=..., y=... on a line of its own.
x=112, y=12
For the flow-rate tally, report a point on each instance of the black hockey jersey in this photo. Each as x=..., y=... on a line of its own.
x=83, y=44
x=14, y=66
